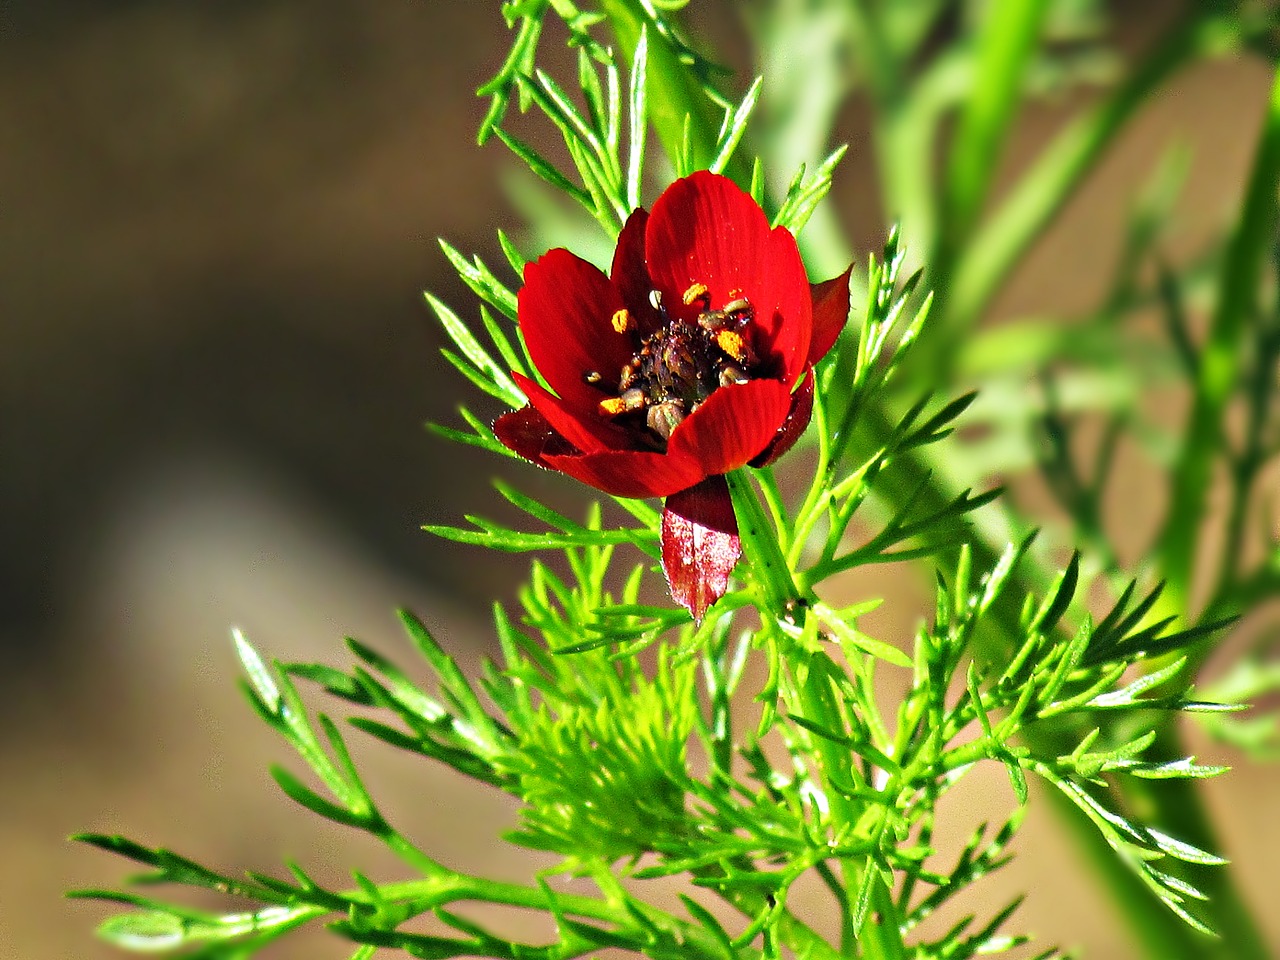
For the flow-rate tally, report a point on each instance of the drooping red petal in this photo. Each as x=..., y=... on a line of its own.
x=733, y=425
x=700, y=544
x=589, y=434
x=565, y=308
x=529, y=434
x=630, y=473
x=793, y=426
x=830, y=314
x=704, y=229
x=630, y=275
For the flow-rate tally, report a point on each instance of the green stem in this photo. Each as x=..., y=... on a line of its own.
x=1219, y=366
x=1010, y=29
x=779, y=595
x=1042, y=192
x=1008, y=37
x=902, y=134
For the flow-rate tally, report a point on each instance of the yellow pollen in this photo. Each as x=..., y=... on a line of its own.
x=613, y=406
x=621, y=321
x=731, y=342
x=736, y=293
x=695, y=293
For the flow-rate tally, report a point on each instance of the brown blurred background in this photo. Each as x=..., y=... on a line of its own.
x=215, y=221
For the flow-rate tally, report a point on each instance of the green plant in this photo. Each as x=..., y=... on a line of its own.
x=635, y=737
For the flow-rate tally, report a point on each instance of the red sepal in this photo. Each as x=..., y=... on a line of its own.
x=700, y=544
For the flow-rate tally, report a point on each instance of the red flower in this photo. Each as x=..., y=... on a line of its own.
x=692, y=358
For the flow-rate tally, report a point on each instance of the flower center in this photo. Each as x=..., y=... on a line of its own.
x=675, y=368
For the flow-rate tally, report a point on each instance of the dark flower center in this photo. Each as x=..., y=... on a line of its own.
x=675, y=368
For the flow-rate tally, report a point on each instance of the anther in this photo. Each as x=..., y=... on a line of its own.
x=738, y=305
x=592, y=377
x=695, y=293
x=731, y=342
x=632, y=399
x=621, y=321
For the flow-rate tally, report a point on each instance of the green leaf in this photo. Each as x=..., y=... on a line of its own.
x=499, y=384
x=638, y=131
x=1005, y=46
x=334, y=681
x=301, y=794
x=263, y=685
x=845, y=633
x=1130, y=694
x=519, y=61
x=545, y=169
x=737, y=126
x=1040, y=193
x=1184, y=769
x=514, y=257
x=679, y=86
x=481, y=280
x=1218, y=371
x=1186, y=852
x=803, y=196
x=497, y=537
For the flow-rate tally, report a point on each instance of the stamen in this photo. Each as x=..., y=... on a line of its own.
x=731, y=342
x=592, y=377
x=696, y=292
x=622, y=321
x=633, y=399
x=677, y=367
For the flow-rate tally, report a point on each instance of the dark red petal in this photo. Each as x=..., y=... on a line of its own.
x=589, y=434
x=528, y=433
x=630, y=473
x=630, y=275
x=565, y=308
x=704, y=229
x=793, y=427
x=700, y=544
x=830, y=313
x=732, y=426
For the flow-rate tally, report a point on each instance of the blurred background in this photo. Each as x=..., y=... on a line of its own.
x=215, y=223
